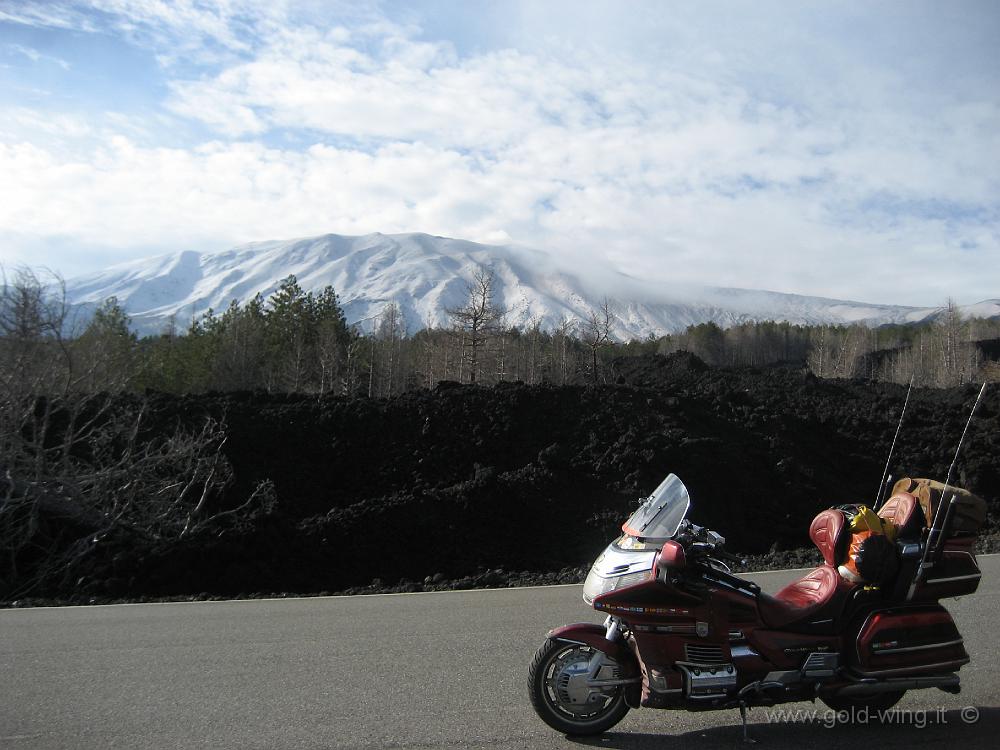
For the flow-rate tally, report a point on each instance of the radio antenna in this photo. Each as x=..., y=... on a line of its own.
x=961, y=440
x=892, y=448
x=935, y=531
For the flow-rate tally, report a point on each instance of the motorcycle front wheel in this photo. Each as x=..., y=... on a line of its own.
x=559, y=694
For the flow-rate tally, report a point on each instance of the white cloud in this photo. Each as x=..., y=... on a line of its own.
x=220, y=194
x=35, y=56
x=53, y=15
x=17, y=123
x=686, y=170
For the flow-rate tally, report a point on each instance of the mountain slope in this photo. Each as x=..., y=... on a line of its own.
x=425, y=275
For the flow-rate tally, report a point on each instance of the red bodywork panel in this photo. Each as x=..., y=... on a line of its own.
x=788, y=650
x=594, y=635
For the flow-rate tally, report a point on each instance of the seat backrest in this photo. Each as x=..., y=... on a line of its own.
x=905, y=512
x=828, y=533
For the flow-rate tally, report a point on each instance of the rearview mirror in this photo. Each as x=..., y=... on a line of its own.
x=671, y=555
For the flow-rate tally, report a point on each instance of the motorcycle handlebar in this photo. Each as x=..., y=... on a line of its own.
x=704, y=540
x=724, y=555
x=699, y=549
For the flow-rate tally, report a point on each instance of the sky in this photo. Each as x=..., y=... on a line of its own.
x=840, y=149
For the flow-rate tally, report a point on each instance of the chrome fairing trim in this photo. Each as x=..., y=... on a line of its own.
x=918, y=668
x=923, y=647
x=954, y=578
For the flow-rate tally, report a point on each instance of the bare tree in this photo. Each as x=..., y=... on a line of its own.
x=819, y=353
x=389, y=332
x=34, y=316
x=951, y=368
x=597, y=332
x=334, y=351
x=352, y=352
x=77, y=466
x=477, y=319
x=561, y=356
x=534, y=336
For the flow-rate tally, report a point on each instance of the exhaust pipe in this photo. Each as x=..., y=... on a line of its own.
x=947, y=682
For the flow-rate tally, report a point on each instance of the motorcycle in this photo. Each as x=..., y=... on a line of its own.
x=683, y=632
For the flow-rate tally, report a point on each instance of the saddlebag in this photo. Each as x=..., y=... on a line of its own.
x=902, y=641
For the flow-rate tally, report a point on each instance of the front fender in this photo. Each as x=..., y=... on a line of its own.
x=593, y=635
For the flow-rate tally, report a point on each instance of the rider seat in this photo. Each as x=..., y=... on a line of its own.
x=810, y=597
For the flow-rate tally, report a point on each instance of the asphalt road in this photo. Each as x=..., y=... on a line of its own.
x=398, y=671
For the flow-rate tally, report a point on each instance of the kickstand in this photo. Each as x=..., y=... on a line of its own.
x=746, y=730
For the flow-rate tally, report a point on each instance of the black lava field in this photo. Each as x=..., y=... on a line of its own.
x=465, y=485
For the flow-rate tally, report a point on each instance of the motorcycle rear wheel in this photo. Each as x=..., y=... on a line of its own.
x=555, y=663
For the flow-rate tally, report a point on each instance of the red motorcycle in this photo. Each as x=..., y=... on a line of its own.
x=683, y=632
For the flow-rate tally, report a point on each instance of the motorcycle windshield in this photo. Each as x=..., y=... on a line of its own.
x=662, y=512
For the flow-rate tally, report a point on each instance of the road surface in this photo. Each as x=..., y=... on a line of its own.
x=436, y=670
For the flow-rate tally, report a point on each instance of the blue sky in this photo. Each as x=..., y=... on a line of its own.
x=831, y=148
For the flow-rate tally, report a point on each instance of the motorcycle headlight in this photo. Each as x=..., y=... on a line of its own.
x=596, y=584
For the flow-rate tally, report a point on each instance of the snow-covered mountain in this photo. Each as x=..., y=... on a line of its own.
x=425, y=275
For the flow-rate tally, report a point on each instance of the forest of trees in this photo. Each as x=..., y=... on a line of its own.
x=948, y=351
x=299, y=341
